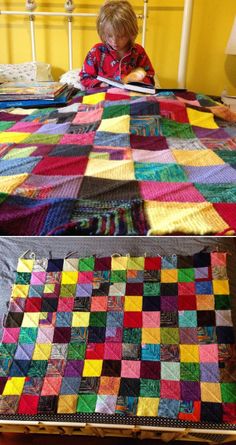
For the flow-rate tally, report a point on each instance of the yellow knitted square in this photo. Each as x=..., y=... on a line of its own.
x=169, y=275
x=151, y=336
x=92, y=368
x=220, y=287
x=119, y=263
x=80, y=319
x=189, y=353
x=133, y=303
x=49, y=288
x=9, y=183
x=210, y=392
x=197, y=158
x=135, y=263
x=191, y=218
x=14, y=386
x=20, y=152
x=107, y=169
x=25, y=265
x=42, y=351
x=20, y=290
x=67, y=404
x=11, y=137
x=201, y=119
x=94, y=98
x=30, y=320
x=147, y=406
x=118, y=124
x=69, y=277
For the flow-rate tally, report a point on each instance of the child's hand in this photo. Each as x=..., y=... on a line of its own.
x=104, y=85
x=136, y=75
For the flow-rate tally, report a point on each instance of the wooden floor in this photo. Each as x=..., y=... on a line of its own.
x=39, y=439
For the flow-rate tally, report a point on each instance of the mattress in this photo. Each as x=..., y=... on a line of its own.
x=114, y=163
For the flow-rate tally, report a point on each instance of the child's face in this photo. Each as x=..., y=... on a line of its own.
x=119, y=42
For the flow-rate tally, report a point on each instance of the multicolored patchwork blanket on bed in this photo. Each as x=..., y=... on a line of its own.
x=144, y=336
x=114, y=163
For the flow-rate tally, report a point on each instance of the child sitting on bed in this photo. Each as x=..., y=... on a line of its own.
x=118, y=56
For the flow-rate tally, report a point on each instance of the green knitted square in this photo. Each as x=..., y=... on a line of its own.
x=86, y=403
x=38, y=368
x=186, y=275
x=42, y=139
x=171, y=128
x=67, y=290
x=86, y=264
x=76, y=351
x=23, y=278
x=151, y=289
x=116, y=111
x=6, y=124
x=217, y=192
x=28, y=335
x=190, y=372
x=132, y=335
x=228, y=392
x=170, y=336
x=118, y=276
x=98, y=319
x=222, y=302
x=149, y=388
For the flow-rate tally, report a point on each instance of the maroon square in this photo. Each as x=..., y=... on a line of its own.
x=62, y=335
x=134, y=289
x=102, y=263
x=3, y=381
x=43, y=150
x=150, y=370
x=148, y=142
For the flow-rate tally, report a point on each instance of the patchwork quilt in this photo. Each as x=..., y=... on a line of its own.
x=120, y=335
x=115, y=163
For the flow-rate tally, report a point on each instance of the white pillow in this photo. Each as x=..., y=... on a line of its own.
x=72, y=78
x=28, y=71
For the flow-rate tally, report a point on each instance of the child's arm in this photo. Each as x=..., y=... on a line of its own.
x=89, y=71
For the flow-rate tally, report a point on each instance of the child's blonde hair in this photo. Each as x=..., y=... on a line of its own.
x=120, y=15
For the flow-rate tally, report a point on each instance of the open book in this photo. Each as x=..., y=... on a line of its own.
x=139, y=87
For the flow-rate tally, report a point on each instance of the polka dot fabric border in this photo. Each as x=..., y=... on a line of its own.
x=138, y=336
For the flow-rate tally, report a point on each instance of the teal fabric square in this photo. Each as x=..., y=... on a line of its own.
x=187, y=319
x=150, y=352
x=159, y=172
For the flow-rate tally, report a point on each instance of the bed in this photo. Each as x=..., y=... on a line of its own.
x=209, y=417
x=114, y=163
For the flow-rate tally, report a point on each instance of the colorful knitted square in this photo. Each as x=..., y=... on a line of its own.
x=145, y=336
x=114, y=162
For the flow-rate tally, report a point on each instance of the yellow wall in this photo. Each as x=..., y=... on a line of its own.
x=209, y=69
